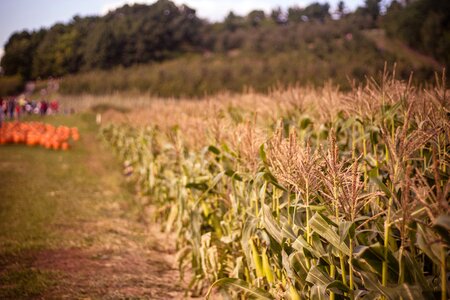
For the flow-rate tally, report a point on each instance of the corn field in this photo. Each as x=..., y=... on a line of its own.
x=303, y=194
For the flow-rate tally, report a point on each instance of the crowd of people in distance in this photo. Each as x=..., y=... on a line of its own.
x=13, y=108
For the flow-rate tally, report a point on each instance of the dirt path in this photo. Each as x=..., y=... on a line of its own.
x=71, y=228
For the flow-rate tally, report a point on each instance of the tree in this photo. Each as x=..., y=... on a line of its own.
x=55, y=55
x=102, y=48
x=278, y=16
x=422, y=24
x=256, y=17
x=232, y=22
x=295, y=14
x=19, y=53
x=372, y=8
x=317, y=11
x=341, y=8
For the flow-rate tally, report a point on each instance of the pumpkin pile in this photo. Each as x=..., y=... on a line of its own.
x=38, y=134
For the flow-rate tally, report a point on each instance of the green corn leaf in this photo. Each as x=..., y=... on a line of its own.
x=280, y=233
x=371, y=283
x=214, y=150
x=416, y=272
x=322, y=228
x=346, y=229
x=319, y=208
x=201, y=186
x=442, y=227
x=299, y=263
x=370, y=258
x=403, y=291
x=304, y=122
x=214, y=182
x=318, y=247
x=247, y=232
x=233, y=175
x=328, y=220
x=391, y=111
x=240, y=285
x=318, y=293
x=425, y=245
x=318, y=276
x=171, y=219
x=262, y=154
x=270, y=178
x=286, y=262
x=380, y=184
x=408, y=292
x=338, y=287
x=262, y=192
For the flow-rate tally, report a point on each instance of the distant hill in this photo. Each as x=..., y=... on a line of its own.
x=167, y=50
x=393, y=45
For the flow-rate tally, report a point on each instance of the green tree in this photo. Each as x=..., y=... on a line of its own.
x=101, y=48
x=341, y=8
x=422, y=24
x=256, y=17
x=277, y=16
x=317, y=11
x=19, y=53
x=232, y=22
x=55, y=55
x=372, y=7
x=295, y=14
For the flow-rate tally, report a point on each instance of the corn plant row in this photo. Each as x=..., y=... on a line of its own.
x=353, y=205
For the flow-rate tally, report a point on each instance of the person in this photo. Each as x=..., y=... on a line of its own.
x=54, y=106
x=2, y=111
x=44, y=107
x=21, y=105
x=11, y=108
x=37, y=108
x=28, y=108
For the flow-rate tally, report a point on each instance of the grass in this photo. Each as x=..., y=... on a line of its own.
x=23, y=283
x=40, y=187
x=47, y=200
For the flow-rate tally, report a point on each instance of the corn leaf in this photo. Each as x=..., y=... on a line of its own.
x=374, y=178
x=240, y=285
x=318, y=276
x=322, y=228
x=318, y=293
x=416, y=272
x=371, y=258
x=281, y=233
x=442, y=227
x=425, y=245
x=346, y=229
x=214, y=150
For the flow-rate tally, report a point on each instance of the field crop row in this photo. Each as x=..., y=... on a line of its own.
x=311, y=194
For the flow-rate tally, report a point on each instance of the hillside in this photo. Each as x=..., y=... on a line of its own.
x=392, y=45
x=312, y=64
x=166, y=50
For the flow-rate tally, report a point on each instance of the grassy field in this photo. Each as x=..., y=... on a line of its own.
x=67, y=215
x=41, y=187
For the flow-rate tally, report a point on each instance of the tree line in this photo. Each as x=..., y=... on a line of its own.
x=135, y=34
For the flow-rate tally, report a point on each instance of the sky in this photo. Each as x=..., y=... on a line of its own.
x=17, y=15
